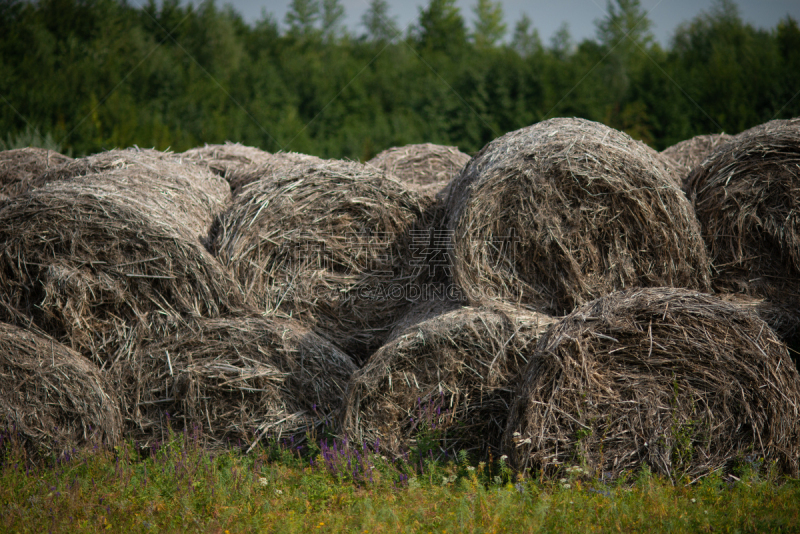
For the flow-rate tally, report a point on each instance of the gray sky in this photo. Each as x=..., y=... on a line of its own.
x=547, y=16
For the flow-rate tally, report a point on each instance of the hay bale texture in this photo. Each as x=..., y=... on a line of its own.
x=229, y=161
x=19, y=168
x=326, y=243
x=427, y=166
x=51, y=397
x=567, y=210
x=238, y=379
x=690, y=153
x=681, y=381
x=117, y=236
x=275, y=166
x=747, y=199
x=451, y=376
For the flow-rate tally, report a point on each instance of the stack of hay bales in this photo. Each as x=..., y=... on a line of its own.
x=20, y=168
x=426, y=166
x=566, y=211
x=681, y=381
x=746, y=199
x=230, y=160
x=112, y=238
x=690, y=153
x=328, y=244
x=52, y=398
x=236, y=378
x=452, y=375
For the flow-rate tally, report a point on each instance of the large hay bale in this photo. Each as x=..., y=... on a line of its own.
x=89, y=255
x=235, y=378
x=21, y=166
x=690, y=153
x=275, y=166
x=425, y=165
x=568, y=210
x=681, y=381
x=746, y=199
x=451, y=377
x=328, y=244
x=229, y=160
x=51, y=397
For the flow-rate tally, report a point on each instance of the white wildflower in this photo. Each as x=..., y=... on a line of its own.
x=263, y=481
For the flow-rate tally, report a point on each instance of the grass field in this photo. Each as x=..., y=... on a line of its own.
x=179, y=487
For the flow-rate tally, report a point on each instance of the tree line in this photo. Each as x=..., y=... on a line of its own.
x=87, y=75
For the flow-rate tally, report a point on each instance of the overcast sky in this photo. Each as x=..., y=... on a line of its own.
x=547, y=16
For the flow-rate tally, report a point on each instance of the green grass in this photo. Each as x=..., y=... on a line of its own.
x=179, y=487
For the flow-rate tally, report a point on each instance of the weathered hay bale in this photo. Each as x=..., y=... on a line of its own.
x=188, y=194
x=51, y=397
x=690, y=153
x=328, y=244
x=681, y=381
x=275, y=166
x=746, y=199
x=422, y=165
x=567, y=210
x=88, y=256
x=20, y=166
x=235, y=378
x=229, y=160
x=451, y=376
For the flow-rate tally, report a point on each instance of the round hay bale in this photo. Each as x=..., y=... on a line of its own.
x=276, y=165
x=450, y=377
x=188, y=194
x=88, y=256
x=20, y=166
x=681, y=381
x=425, y=165
x=690, y=153
x=568, y=210
x=746, y=199
x=228, y=160
x=238, y=379
x=51, y=397
x=328, y=244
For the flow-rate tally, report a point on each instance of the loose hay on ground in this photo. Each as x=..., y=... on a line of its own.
x=329, y=244
x=237, y=379
x=451, y=377
x=690, y=153
x=566, y=211
x=19, y=168
x=51, y=397
x=681, y=381
x=88, y=256
x=747, y=199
